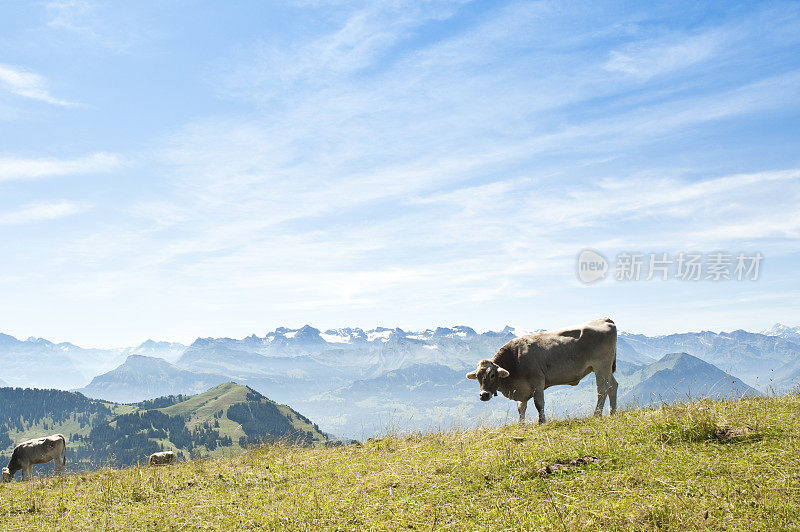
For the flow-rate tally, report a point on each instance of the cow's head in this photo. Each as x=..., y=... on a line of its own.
x=488, y=376
x=7, y=476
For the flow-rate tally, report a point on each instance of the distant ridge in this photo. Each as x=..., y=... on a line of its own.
x=169, y=351
x=38, y=362
x=143, y=377
x=784, y=331
x=681, y=377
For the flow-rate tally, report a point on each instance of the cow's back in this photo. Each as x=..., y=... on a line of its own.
x=40, y=450
x=586, y=338
x=563, y=356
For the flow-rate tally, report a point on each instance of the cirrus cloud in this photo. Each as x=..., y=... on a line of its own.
x=28, y=84
x=40, y=212
x=17, y=168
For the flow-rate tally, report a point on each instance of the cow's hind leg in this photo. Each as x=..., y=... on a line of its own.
x=602, y=391
x=60, y=462
x=538, y=400
x=612, y=393
x=522, y=406
x=606, y=387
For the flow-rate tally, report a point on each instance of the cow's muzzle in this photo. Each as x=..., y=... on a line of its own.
x=485, y=396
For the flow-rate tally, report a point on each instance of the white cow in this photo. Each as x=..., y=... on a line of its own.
x=36, y=451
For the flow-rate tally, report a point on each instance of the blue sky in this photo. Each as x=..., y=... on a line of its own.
x=183, y=169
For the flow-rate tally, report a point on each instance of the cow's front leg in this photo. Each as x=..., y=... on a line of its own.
x=538, y=400
x=522, y=406
x=27, y=473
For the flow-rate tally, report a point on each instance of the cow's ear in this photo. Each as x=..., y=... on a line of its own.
x=472, y=376
x=502, y=373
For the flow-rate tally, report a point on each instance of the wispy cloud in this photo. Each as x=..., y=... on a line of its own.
x=12, y=168
x=39, y=212
x=71, y=14
x=28, y=84
x=114, y=27
x=367, y=34
x=650, y=58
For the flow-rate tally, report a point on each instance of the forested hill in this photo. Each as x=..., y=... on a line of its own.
x=222, y=421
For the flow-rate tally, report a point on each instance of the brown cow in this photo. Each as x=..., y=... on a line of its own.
x=526, y=366
x=36, y=451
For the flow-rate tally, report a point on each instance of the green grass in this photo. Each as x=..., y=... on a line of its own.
x=202, y=406
x=661, y=469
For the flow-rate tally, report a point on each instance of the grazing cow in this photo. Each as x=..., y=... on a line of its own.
x=36, y=451
x=526, y=366
x=162, y=458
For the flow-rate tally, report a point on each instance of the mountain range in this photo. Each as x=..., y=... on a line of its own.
x=680, y=377
x=40, y=363
x=759, y=359
x=357, y=382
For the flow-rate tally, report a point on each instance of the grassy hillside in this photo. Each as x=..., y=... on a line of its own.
x=220, y=422
x=213, y=408
x=650, y=469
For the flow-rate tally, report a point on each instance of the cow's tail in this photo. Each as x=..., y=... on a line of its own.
x=614, y=364
x=63, y=451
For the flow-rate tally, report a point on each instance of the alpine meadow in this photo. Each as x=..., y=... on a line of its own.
x=409, y=265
